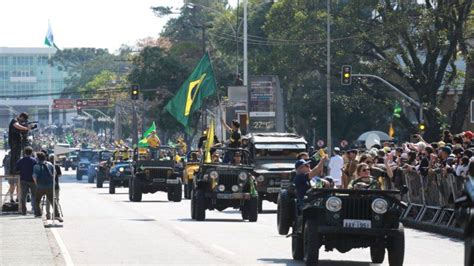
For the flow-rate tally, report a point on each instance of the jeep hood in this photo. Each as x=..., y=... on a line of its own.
x=266, y=167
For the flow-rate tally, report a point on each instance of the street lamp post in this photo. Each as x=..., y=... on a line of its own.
x=245, y=43
x=328, y=78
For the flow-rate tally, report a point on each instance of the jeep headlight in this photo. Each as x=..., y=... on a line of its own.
x=221, y=188
x=260, y=178
x=379, y=206
x=334, y=204
x=121, y=169
x=214, y=175
x=243, y=176
x=96, y=168
x=117, y=174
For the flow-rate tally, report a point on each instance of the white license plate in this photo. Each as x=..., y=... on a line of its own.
x=172, y=181
x=350, y=223
x=273, y=190
x=159, y=179
x=225, y=196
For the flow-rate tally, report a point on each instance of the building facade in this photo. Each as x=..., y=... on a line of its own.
x=29, y=84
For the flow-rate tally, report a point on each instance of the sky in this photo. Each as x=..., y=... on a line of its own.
x=80, y=23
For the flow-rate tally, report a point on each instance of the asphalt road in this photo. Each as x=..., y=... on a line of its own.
x=108, y=229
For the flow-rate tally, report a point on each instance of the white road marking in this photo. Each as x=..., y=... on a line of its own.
x=228, y=252
x=181, y=230
x=63, y=248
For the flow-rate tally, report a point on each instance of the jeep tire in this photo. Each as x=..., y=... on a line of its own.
x=312, y=242
x=136, y=190
x=100, y=181
x=175, y=193
x=79, y=175
x=200, y=205
x=396, y=247
x=285, y=212
x=111, y=186
x=297, y=246
x=130, y=187
x=377, y=254
x=193, y=205
x=187, y=190
x=90, y=179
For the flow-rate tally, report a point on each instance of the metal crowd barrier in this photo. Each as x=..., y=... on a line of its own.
x=431, y=198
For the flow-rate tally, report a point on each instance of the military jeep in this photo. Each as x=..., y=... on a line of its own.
x=154, y=170
x=344, y=219
x=274, y=156
x=119, y=169
x=218, y=186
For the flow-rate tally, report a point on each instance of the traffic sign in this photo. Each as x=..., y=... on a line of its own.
x=320, y=143
x=62, y=104
x=92, y=102
x=344, y=143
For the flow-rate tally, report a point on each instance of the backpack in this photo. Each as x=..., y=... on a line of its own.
x=45, y=177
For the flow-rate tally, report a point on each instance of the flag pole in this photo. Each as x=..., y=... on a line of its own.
x=54, y=189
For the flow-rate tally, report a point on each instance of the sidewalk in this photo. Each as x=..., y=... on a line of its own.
x=23, y=241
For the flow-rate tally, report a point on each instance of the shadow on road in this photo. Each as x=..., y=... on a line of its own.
x=321, y=262
x=212, y=220
x=116, y=193
x=145, y=201
x=141, y=220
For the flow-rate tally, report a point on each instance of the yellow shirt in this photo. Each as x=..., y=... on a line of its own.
x=153, y=141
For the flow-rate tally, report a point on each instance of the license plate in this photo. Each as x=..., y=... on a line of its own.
x=273, y=190
x=225, y=196
x=159, y=179
x=172, y=181
x=350, y=223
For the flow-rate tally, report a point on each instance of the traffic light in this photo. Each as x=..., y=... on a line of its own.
x=135, y=91
x=422, y=126
x=346, y=75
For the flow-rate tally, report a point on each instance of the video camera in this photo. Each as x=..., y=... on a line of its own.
x=24, y=134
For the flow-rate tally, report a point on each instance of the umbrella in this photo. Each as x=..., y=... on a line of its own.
x=382, y=135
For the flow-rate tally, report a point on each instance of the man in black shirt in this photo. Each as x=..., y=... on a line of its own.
x=203, y=139
x=234, y=139
x=15, y=131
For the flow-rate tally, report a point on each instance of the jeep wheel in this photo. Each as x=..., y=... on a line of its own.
x=78, y=175
x=175, y=193
x=252, y=209
x=285, y=212
x=193, y=205
x=90, y=179
x=200, y=205
x=468, y=251
x=111, y=187
x=136, y=190
x=187, y=190
x=66, y=168
x=130, y=191
x=312, y=242
x=396, y=248
x=260, y=203
x=297, y=246
x=377, y=254
x=100, y=181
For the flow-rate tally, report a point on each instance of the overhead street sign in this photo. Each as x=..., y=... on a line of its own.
x=63, y=104
x=92, y=103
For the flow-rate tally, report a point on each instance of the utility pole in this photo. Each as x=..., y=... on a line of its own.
x=328, y=78
x=245, y=43
x=134, y=125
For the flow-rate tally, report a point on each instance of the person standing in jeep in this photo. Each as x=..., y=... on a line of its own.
x=43, y=177
x=234, y=139
x=15, y=129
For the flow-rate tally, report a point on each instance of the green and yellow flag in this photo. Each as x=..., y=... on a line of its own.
x=199, y=85
x=143, y=143
x=209, y=142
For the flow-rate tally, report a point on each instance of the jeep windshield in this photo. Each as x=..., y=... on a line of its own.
x=106, y=155
x=228, y=156
x=86, y=155
x=277, y=151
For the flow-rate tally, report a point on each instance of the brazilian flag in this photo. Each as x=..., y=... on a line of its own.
x=199, y=85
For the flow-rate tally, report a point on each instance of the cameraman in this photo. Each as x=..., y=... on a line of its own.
x=18, y=126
